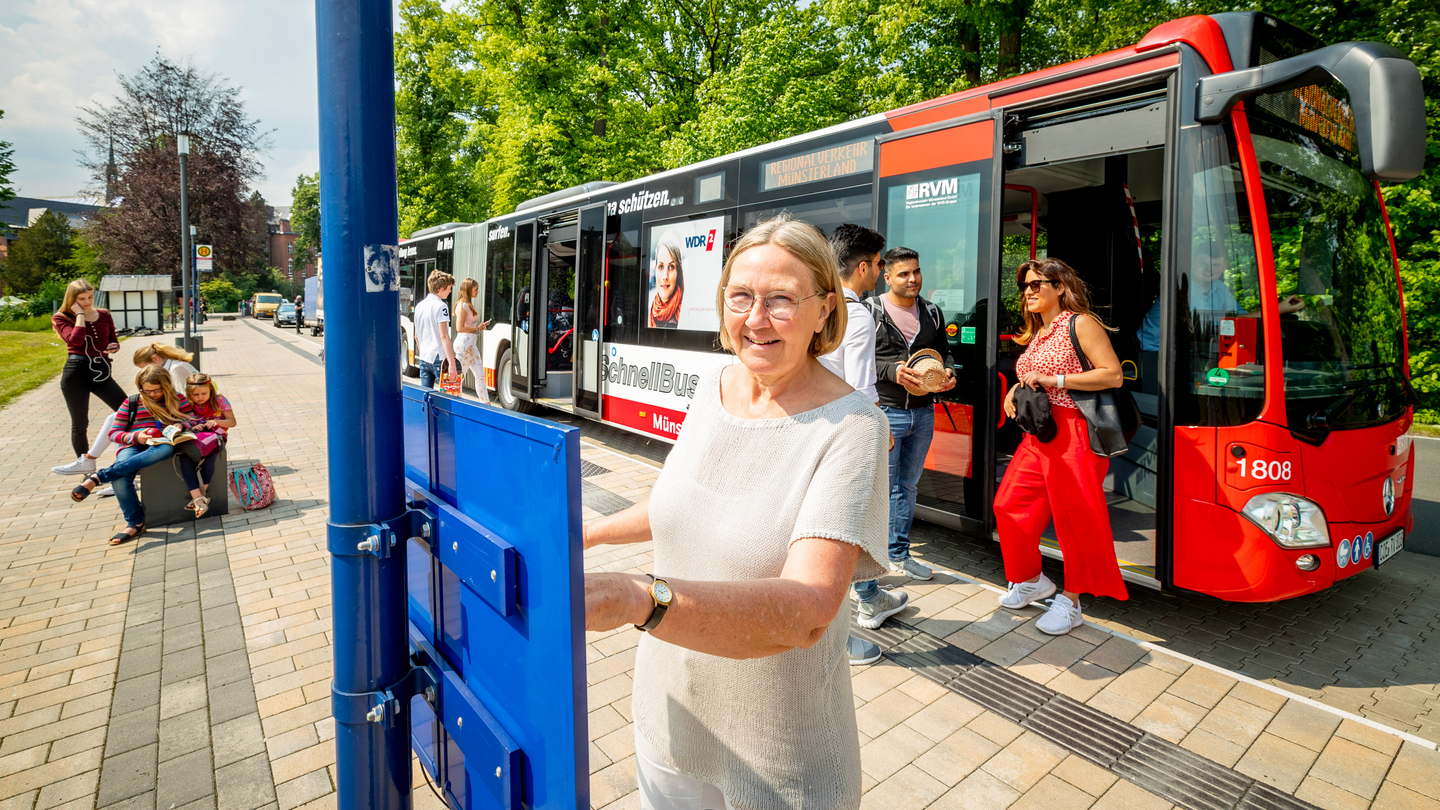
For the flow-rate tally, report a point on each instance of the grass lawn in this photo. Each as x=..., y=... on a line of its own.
x=28, y=359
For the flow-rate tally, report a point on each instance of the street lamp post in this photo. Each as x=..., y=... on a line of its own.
x=182, y=145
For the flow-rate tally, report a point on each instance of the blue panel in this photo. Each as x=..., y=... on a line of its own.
x=513, y=481
x=484, y=562
x=416, y=430
x=420, y=586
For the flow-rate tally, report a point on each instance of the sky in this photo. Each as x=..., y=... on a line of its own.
x=59, y=55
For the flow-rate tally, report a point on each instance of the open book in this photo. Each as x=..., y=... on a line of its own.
x=173, y=435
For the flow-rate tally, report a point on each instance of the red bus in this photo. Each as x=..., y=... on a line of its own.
x=1216, y=185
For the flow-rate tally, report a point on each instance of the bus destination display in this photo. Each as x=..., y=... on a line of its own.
x=821, y=164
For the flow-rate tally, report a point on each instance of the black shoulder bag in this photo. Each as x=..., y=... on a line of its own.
x=1112, y=415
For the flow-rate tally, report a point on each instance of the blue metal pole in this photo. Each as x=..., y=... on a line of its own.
x=362, y=379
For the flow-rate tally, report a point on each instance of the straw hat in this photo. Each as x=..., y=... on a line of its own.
x=931, y=368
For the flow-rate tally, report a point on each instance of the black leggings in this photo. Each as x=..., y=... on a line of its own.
x=187, y=469
x=82, y=377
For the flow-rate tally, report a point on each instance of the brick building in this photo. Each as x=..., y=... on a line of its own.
x=280, y=246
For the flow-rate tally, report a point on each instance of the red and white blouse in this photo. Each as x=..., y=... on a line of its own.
x=1050, y=353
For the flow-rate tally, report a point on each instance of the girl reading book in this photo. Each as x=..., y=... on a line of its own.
x=141, y=419
x=212, y=418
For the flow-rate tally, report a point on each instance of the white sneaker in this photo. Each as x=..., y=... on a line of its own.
x=872, y=614
x=106, y=492
x=1024, y=594
x=80, y=466
x=1062, y=617
x=911, y=568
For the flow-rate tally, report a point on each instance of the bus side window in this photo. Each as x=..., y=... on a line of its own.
x=498, y=281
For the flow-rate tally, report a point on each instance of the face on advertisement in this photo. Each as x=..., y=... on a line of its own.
x=767, y=346
x=667, y=273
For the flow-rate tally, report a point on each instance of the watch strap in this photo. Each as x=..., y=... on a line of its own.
x=657, y=613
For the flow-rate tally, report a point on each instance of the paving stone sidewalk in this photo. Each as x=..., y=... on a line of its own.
x=191, y=669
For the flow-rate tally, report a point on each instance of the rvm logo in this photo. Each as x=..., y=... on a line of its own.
x=706, y=241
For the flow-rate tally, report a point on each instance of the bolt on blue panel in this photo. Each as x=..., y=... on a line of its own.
x=496, y=604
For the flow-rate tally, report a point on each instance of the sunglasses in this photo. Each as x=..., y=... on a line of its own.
x=1034, y=286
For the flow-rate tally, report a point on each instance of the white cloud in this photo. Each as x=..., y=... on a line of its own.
x=63, y=54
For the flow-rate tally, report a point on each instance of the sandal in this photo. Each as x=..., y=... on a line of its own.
x=82, y=492
x=199, y=505
x=126, y=536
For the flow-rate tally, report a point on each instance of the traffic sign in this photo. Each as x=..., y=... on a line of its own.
x=204, y=258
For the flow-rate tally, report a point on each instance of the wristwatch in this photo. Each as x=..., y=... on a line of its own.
x=659, y=593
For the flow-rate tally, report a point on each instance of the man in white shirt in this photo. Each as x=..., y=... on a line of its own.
x=432, y=328
x=857, y=249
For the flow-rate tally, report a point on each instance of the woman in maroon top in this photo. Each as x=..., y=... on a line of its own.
x=89, y=334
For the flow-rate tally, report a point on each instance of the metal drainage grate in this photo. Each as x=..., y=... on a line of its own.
x=1159, y=766
x=589, y=468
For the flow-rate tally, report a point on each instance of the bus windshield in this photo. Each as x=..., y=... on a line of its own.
x=1340, y=324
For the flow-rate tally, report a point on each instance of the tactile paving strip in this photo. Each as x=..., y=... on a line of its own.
x=601, y=499
x=590, y=468
x=1158, y=765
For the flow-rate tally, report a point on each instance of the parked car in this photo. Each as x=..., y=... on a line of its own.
x=285, y=315
x=266, y=303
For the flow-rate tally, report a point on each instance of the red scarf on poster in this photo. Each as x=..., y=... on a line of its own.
x=663, y=313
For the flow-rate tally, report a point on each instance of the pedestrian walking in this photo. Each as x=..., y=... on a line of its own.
x=1060, y=479
x=907, y=327
x=467, y=339
x=857, y=251
x=141, y=418
x=432, y=328
x=90, y=339
x=771, y=503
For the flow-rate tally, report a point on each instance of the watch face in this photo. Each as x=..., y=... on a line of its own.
x=662, y=592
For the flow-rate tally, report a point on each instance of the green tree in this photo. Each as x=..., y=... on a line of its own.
x=221, y=294
x=781, y=86
x=305, y=214
x=7, y=167
x=85, y=260
x=38, y=253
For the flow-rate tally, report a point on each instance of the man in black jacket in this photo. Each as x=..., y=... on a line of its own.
x=905, y=323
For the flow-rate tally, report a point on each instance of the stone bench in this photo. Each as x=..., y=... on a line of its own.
x=163, y=492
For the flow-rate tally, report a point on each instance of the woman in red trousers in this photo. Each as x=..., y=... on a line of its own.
x=1060, y=479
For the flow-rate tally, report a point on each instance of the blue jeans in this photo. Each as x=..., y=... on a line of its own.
x=429, y=373
x=128, y=463
x=913, y=429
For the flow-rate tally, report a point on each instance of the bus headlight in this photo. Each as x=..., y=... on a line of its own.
x=1290, y=520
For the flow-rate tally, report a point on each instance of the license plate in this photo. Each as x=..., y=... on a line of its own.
x=1389, y=547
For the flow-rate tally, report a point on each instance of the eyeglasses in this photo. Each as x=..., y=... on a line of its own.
x=1034, y=286
x=153, y=392
x=781, y=306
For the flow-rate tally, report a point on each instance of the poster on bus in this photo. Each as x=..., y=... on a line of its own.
x=685, y=263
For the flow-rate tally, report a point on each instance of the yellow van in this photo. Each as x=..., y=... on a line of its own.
x=266, y=304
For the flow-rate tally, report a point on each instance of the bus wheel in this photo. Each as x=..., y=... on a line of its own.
x=504, y=394
x=406, y=370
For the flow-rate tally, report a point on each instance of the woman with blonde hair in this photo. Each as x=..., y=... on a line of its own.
x=141, y=418
x=90, y=339
x=467, y=338
x=174, y=360
x=1060, y=479
x=742, y=687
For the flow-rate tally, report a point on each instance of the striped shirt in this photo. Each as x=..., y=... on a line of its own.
x=143, y=419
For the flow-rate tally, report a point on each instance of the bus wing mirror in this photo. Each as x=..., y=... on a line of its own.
x=1386, y=100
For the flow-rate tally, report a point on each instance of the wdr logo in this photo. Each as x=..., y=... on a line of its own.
x=701, y=240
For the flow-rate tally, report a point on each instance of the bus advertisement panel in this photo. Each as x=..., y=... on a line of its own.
x=685, y=252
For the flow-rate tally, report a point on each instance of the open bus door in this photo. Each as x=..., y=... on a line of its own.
x=937, y=191
x=589, y=304
x=522, y=315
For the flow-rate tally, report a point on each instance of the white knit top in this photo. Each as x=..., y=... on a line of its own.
x=775, y=732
